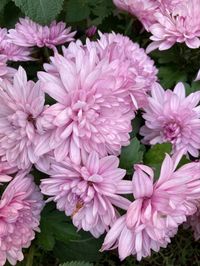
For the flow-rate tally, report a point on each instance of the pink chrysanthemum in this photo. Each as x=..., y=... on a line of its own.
x=20, y=207
x=28, y=33
x=11, y=51
x=21, y=104
x=181, y=23
x=140, y=75
x=173, y=117
x=94, y=110
x=87, y=191
x=158, y=208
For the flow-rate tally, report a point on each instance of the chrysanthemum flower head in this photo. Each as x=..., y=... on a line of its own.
x=87, y=191
x=177, y=23
x=158, y=209
x=91, y=112
x=21, y=103
x=172, y=117
x=20, y=207
x=140, y=75
x=28, y=33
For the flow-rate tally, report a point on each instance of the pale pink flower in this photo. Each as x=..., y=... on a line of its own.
x=11, y=51
x=21, y=104
x=88, y=191
x=140, y=75
x=93, y=110
x=181, y=24
x=158, y=208
x=20, y=207
x=172, y=117
x=28, y=33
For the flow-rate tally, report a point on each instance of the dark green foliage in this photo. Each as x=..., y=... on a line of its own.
x=155, y=156
x=131, y=154
x=86, y=247
x=55, y=226
x=77, y=263
x=3, y=4
x=93, y=11
x=41, y=11
x=169, y=76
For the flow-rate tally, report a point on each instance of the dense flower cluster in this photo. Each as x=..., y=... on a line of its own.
x=72, y=123
x=94, y=90
x=22, y=103
x=169, y=21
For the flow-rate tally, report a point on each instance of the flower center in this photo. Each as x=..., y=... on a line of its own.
x=172, y=131
x=30, y=118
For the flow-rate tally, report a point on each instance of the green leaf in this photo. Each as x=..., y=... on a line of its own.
x=54, y=226
x=155, y=156
x=41, y=11
x=92, y=11
x=136, y=125
x=77, y=10
x=167, y=56
x=46, y=240
x=131, y=154
x=11, y=15
x=3, y=3
x=183, y=161
x=101, y=9
x=86, y=247
x=76, y=263
x=195, y=86
x=170, y=75
x=157, y=153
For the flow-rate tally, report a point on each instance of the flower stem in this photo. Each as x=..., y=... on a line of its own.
x=30, y=256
